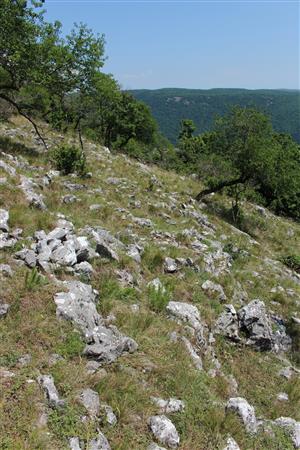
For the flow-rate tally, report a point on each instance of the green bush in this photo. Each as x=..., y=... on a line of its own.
x=69, y=159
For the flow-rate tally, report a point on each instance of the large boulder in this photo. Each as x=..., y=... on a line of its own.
x=104, y=343
x=255, y=322
x=227, y=323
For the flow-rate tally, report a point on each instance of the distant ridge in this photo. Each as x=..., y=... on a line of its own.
x=170, y=105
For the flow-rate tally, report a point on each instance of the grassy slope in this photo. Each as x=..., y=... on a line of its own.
x=170, y=106
x=160, y=367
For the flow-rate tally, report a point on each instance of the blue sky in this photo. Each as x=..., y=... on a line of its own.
x=192, y=44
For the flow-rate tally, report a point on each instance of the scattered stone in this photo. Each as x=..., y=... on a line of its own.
x=169, y=406
x=170, y=265
x=104, y=343
x=28, y=187
x=54, y=359
x=28, y=256
x=157, y=285
x=143, y=222
x=245, y=411
x=68, y=199
x=24, y=360
x=64, y=255
x=231, y=444
x=99, y=443
x=134, y=251
x=4, y=217
x=6, y=270
x=110, y=416
x=84, y=268
x=227, y=323
x=211, y=287
x=125, y=278
x=288, y=372
x=95, y=207
x=47, y=383
x=74, y=443
x=164, y=431
x=282, y=397
x=194, y=355
x=104, y=250
x=7, y=168
x=90, y=400
x=4, y=307
x=185, y=312
x=217, y=263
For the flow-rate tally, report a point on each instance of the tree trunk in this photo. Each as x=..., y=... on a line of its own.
x=219, y=187
x=19, y=109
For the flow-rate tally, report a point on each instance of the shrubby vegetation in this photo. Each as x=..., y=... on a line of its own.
x=44, y=75
x=244, y=155
x=69, y=159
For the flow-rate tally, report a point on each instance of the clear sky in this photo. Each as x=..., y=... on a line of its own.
x=193, y=44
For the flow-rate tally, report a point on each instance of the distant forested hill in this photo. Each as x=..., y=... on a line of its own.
x=170, y=106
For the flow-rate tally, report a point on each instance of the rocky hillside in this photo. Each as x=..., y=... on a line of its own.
x=133, y=318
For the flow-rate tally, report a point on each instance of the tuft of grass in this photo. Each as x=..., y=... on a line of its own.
x=71, y=346
x=158, y=299
x=33, y=280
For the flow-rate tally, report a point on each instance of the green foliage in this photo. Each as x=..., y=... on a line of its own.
x=187, y=128
x=243, y=153
x=69, y=159
x=170, y=106
x=72, y=345
x=293, y=330
x=292, y=261
x=33, y=279
x=158, y=298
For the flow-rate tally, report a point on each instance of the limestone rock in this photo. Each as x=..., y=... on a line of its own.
x=227, y=323
x=4, y=307
x=292, y=427
x=74, y=443
x=90, y=400
x=185, y=312
x=47, y=383
x=4, y=216
x=164, y=431
x=99, y=443
x=231, y=444
x=170, y=265
x=211, y=287
x=245, y=411
x=170, y=405
x=154, y=446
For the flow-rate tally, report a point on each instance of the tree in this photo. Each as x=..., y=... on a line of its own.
x=243, y=142
x=187, y=129
x=39, y=69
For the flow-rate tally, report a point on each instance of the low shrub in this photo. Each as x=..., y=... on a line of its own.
x=69, y=159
